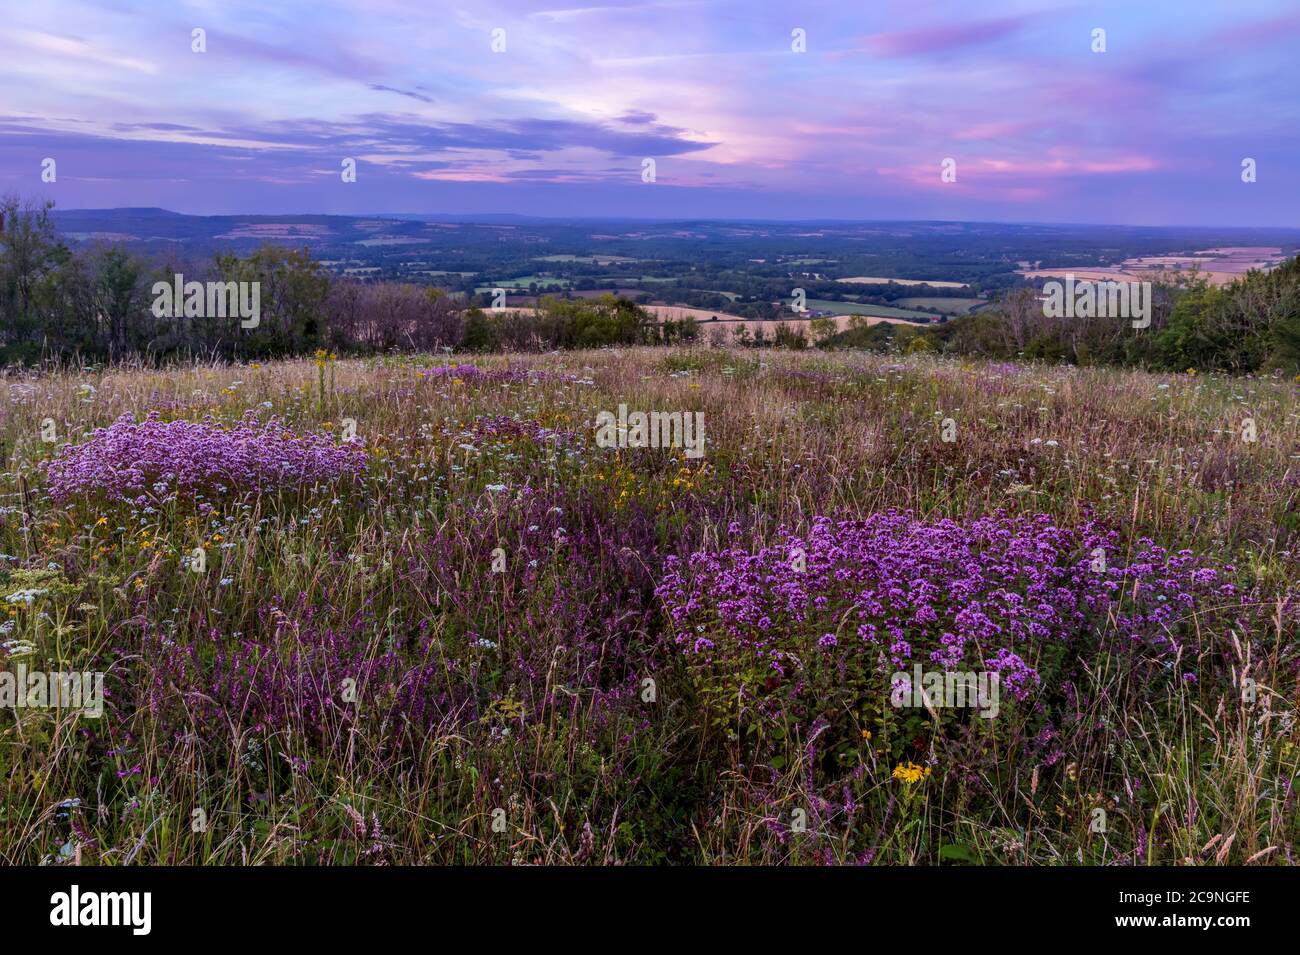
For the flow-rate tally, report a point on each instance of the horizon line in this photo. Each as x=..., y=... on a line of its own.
x=464, y=216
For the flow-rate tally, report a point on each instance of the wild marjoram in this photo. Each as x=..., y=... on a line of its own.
x=656, y=429
x=209, y=300
x=939, y=688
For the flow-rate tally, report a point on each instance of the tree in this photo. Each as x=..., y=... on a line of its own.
x=823, y=330
x=293, y=293
x=480, y=334
x=31, y=255
x=116, y=296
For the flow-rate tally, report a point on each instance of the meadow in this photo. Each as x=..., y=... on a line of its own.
x=405, y=610
x=855, y=308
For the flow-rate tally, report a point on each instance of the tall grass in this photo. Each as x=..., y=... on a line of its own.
x=356, y=679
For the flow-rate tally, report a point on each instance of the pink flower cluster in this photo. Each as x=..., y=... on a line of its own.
x=150, y=460
x=992, y=593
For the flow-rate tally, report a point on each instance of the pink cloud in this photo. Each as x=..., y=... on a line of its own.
x=994, y=176
x=942, y=39
x=995, y=130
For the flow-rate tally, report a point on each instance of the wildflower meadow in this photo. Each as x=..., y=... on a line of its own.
x=408, y=610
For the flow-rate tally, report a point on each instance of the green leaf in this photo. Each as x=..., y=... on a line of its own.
x=954, y=852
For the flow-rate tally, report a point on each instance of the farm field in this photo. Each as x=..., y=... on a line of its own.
x=1216, y=266
x=953, y=306
x=877, y=280
x=523, y=281
x=731, y=326
x=588, y=259
x=410, y=610
x=856, y=308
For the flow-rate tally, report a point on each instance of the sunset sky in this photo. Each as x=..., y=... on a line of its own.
x=1153, y=131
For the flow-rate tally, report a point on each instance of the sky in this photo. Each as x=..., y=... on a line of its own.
x=766, y=109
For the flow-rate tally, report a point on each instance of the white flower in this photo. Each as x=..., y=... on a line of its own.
x=25, y=596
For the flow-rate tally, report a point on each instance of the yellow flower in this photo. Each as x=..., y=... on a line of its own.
x=866, y=734
x=910, y=773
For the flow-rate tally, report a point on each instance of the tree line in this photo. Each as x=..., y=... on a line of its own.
x=97, y=303
x=1249, y=325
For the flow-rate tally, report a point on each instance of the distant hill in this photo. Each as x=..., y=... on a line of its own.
x=161, y=226
x=703, y=259
x=149, y=224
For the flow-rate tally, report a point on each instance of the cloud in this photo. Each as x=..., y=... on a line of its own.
x=943, y=39
x=58, y=47
x=378, y=87
x=711, y=90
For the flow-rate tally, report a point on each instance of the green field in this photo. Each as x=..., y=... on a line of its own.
x=523, y=281
x=952, y=306
x=588, y=259
x=856, y=308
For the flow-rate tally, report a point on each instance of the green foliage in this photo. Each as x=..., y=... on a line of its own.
x=1247, y=326
x=293, y=292
x=32, y=262
x=592, y=323
x=480, y=334
x=1250, y=325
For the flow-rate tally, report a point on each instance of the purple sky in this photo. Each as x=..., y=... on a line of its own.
x=1152, y=131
